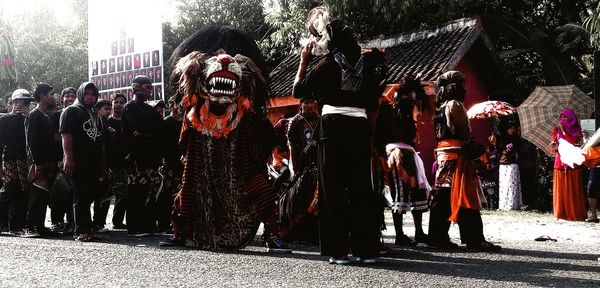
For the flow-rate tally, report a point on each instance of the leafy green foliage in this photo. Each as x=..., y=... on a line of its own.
x=592, y=24
x=8, y=74
x=47, y=51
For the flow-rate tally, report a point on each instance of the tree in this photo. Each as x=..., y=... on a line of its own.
x=592, y=24
x=47, y=51
x=8, y=74
x=245, y=15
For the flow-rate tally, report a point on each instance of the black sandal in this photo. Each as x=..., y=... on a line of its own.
x=85, y=238
x=403, y=240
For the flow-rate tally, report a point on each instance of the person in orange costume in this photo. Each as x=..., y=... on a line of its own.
x=567, y=188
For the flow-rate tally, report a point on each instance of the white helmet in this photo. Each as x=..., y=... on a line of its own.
x=21, y=94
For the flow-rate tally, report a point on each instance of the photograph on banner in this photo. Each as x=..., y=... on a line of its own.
x=158, y=75
x=94, y=68
x=124, y=47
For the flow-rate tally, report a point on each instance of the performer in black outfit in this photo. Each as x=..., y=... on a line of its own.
x=41, y=149
x=83, y=133
x=172, y=168
x=13, y=171
x=457, y=197
x=144, y=131
x=116, y=152
x=349, y=210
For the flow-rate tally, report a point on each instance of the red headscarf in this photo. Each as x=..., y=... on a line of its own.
x=570, y=122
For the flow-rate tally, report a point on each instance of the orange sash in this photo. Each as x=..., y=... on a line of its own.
x=465, y=184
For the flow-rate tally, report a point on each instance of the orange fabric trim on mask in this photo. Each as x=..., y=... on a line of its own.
x=213, y=125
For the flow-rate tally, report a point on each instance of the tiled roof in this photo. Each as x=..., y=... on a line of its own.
x=427, y=53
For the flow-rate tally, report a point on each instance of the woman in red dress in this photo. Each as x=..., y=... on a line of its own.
x=567, y=189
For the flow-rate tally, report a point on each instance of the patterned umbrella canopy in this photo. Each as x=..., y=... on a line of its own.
x=489, y=109
x=541, y=112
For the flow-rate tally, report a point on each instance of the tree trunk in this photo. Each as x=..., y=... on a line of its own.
x=597, y=87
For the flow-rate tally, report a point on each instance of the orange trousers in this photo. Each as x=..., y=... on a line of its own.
x=567, y=195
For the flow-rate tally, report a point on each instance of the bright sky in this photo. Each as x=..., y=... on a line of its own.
x=61, y=8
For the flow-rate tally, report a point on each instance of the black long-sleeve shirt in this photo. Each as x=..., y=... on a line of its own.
x=12, y=137
x=145, y=150
x=116, y=149
x=324, y=81
x=41, y=143
x=172, y=151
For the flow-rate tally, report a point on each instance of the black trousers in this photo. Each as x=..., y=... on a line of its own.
x=528, y=184
x=36, y=207
x=349, y=210
x=142, y=192
x=118, y=183
x=61, y=199
x=13, y=205
x=164, y=202
x=101, y=204
x=469, y=220
x=85, y=191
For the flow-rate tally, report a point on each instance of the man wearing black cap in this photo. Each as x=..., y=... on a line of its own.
x=83, y=137
x=300, y=131
x=41, y=145
x=13, y=171
x=298, y=223
x=143, y=128
x=116, y=152
x=172, y=169
x=61, y=194
x=457, y=198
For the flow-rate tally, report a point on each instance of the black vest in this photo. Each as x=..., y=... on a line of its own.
x=442, y=130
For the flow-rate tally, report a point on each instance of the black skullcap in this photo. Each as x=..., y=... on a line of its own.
x=41, y=89
x=141, y=79
x=68, y=90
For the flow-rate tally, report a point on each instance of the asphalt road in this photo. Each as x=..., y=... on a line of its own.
x=121, y=261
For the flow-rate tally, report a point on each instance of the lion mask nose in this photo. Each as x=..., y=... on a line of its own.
x=224, y=59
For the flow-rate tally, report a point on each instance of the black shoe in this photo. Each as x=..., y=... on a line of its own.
x=422, y=238
x=68, y=229
x=445, y=245
x=172, y=242
x=57, y=227
x=45, y=232
x=99, y=229
x=484, y=246
x=119, y=226
x=137, y=234
x=339, y=260
x=30, y=233
x=403, y=240
x=16, y=233
x=382, y=250
x=276, y=245
x=366, y=260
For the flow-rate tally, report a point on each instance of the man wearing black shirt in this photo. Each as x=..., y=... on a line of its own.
x=41, y=147
x=102, y=202
x=349, y=210
x=82, y=136
x=117, y=151
x=61, y=194
x=13, y=196
x=172, y=168
x=144, y=132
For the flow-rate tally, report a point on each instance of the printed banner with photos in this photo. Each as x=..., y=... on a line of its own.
x=122, y=47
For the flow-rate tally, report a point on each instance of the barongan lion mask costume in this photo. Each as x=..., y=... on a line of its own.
x=220, y=78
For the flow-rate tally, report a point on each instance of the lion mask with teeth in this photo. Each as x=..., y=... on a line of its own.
x=220, y=78
x=217, y=89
